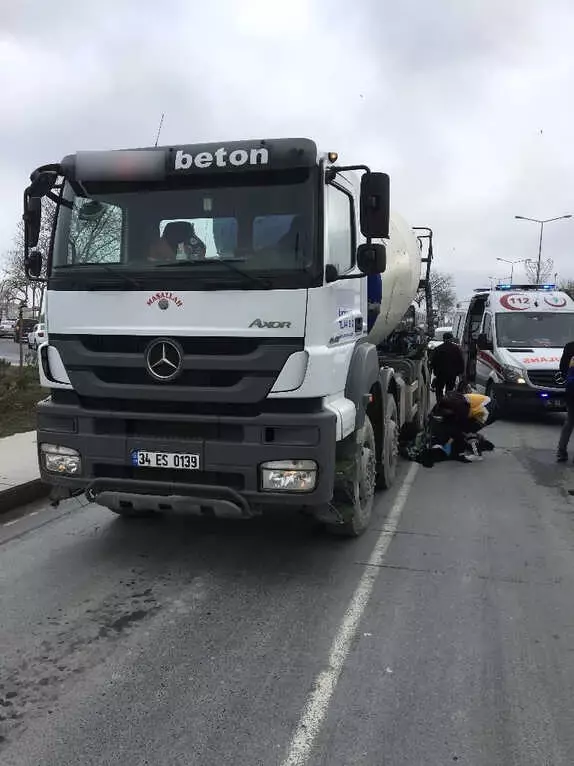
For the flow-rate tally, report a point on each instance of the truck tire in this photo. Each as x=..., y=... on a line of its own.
x=355, y=493
x=422, y=411
x=390, y=451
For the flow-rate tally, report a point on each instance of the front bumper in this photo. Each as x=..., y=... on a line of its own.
x=522, y=397
x=231, y=449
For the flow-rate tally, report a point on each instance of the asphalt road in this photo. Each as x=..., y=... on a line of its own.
x=444, y=635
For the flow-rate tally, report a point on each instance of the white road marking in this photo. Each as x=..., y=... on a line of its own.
x=15, y=521
x=325, y=684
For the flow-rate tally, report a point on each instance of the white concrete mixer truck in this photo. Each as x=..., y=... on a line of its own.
x=210, y=347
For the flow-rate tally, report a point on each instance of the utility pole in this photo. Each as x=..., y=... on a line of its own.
x=541, y=222
x=20, y=332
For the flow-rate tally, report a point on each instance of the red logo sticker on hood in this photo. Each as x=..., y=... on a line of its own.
x=163, y=300
x=515, y=301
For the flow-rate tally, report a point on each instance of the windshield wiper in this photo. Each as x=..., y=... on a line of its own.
x=104, y=267
x=227, y=262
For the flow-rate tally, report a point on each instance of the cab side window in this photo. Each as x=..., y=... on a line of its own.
x=341, y=228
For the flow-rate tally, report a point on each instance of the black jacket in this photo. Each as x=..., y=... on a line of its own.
x=567, y=355
x=447, y=360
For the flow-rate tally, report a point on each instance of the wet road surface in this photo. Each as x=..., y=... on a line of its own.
x=443, y=635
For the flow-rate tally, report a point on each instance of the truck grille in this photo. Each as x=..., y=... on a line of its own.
x=545, y=378
x=215, y=370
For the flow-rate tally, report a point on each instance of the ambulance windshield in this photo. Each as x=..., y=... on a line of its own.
x=535, y=329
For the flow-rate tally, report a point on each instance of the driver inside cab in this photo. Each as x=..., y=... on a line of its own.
x=177, y=236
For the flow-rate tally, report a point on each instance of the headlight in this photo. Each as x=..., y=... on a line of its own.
x=513, y=375
x=62, y=460
x=288, y=475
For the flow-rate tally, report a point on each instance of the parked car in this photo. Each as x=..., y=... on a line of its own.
x=27, y=327
x=37, y=337
x=6, y=329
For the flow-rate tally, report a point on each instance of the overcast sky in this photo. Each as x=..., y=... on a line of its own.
x=468, y=104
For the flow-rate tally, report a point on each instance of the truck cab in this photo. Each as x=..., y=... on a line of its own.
x=512, y=339
x=206, y=309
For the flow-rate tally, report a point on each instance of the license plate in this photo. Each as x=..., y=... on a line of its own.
x=180, y=460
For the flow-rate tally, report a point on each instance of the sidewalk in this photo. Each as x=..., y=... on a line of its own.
x=19, y=476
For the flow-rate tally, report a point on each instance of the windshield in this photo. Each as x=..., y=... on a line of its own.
x=543, y=329
x=262, y=225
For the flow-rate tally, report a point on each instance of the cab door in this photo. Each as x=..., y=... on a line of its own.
x=483, y=366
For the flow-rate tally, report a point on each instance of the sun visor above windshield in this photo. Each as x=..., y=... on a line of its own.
x=153, y=164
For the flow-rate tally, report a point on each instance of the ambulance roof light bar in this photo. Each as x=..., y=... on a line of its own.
x=506, y=286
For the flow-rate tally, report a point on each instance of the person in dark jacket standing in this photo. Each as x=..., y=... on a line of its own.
x=567, y=372
x=447, y=363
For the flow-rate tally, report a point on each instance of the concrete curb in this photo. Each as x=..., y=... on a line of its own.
x=22, y=494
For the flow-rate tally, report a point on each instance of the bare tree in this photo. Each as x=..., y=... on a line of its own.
x=443, y=293
x=546, y=267
x=96, y=238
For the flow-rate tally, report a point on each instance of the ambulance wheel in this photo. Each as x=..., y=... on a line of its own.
x=354, y=495
x=390, y=453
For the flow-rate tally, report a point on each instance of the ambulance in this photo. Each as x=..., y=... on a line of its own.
x=512, y=338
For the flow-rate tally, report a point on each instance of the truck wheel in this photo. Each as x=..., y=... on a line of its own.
x=390, y=454
x=355, y=491
x=422, y=411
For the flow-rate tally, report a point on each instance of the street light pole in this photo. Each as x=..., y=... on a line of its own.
x=539, y=252
x=512, y=264
x=541, y=222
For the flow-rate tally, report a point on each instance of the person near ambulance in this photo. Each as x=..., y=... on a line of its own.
x=447, y=364
x=453, y=424
x=567, y=372
x=462, y=415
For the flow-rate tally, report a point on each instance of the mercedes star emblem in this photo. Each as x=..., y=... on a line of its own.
x=164, y=359
x=559, y=378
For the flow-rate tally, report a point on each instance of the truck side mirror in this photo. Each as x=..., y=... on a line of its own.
x=42, y=182
x=372, y=259
x=32, y=220
x=375, y=205
x=33, y=264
